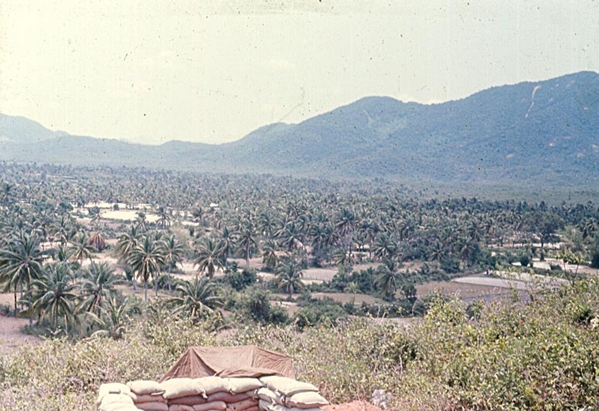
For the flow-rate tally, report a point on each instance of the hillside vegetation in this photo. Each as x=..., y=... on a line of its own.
x=541, y=134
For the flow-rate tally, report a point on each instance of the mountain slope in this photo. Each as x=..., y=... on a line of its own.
x=542, y=133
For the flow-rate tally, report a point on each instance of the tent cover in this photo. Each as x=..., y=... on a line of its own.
x=241, y=361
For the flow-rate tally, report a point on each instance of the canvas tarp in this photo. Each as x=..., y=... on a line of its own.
x=242, y=361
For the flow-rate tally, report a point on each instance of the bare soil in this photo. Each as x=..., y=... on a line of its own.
x=11, y=336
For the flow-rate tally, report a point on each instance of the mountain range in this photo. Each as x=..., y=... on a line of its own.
x=533, y=133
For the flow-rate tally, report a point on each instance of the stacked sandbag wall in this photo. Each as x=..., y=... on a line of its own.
x=210, y=394
x=287, y=394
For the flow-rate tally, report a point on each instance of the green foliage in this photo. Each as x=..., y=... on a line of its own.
x=318, y=312
x=240, y=280
x=256, y=306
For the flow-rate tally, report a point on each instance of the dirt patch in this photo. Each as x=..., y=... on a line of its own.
x=11, y=336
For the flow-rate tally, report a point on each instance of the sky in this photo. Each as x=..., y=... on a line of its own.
x=212, y=71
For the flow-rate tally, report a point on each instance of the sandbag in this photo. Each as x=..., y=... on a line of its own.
x=149, y=398
x=180, y=407
x=286, y=386
x=118, y=406
x=227, y=397
x=241, y=405
x=114, y=402
x=141, y=387
x=152, y=406
x=213, y=384
x=181, y=387
x=211, y=406
x=306, y=400
x=254, y=408
x=269, y=395
x=191, y=400
x=113, y=388
x=237, y=385
x=266, y=406
x=112, y=398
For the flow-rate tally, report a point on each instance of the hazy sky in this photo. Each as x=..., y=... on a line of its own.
x=214, y=70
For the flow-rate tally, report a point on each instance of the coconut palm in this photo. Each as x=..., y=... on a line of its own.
x=20, y=263
x=146, y=259
x=385, y=246
x=98, y=283
x=164, y=218
x=226, y=244
x=289, y=275
x=173, y=253
x=208, y=257
x=246, y=239
x=387, y=279
x=81, y=249
x=127, y=242
x=52, y=295
x=113, y=317
x=196, y=299
x=269, y=254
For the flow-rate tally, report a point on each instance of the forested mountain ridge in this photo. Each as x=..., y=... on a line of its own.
x=533, y=133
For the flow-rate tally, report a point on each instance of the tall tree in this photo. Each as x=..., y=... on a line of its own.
x=387, y=278
x=146, y=260
x=196, y=299
x=81, y=249
x=289, y=275
x=98, y=283
x=208, y=258
x=21, y=263
x=53, y=295
x=173, y=253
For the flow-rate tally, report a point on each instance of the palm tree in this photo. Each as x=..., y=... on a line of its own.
x=208, y=258
x=385, y=246
x=346, y=220
x=342, y=258
x=173, y=252
x=164, y=218
x=269, y=254
x=127, y=242
x=53, y=295
x=81, y=249
x=226, y=243
x=145, y=261
x=98, y=282
x=289, y=274
x=387, y=279
x=20, y=263
x=246, y=240
x=196, y=299
x=113, y=317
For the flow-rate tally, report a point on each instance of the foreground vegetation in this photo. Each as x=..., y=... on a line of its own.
x=538, y=355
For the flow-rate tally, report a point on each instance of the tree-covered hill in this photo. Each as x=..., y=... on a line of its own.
x=534, y=133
